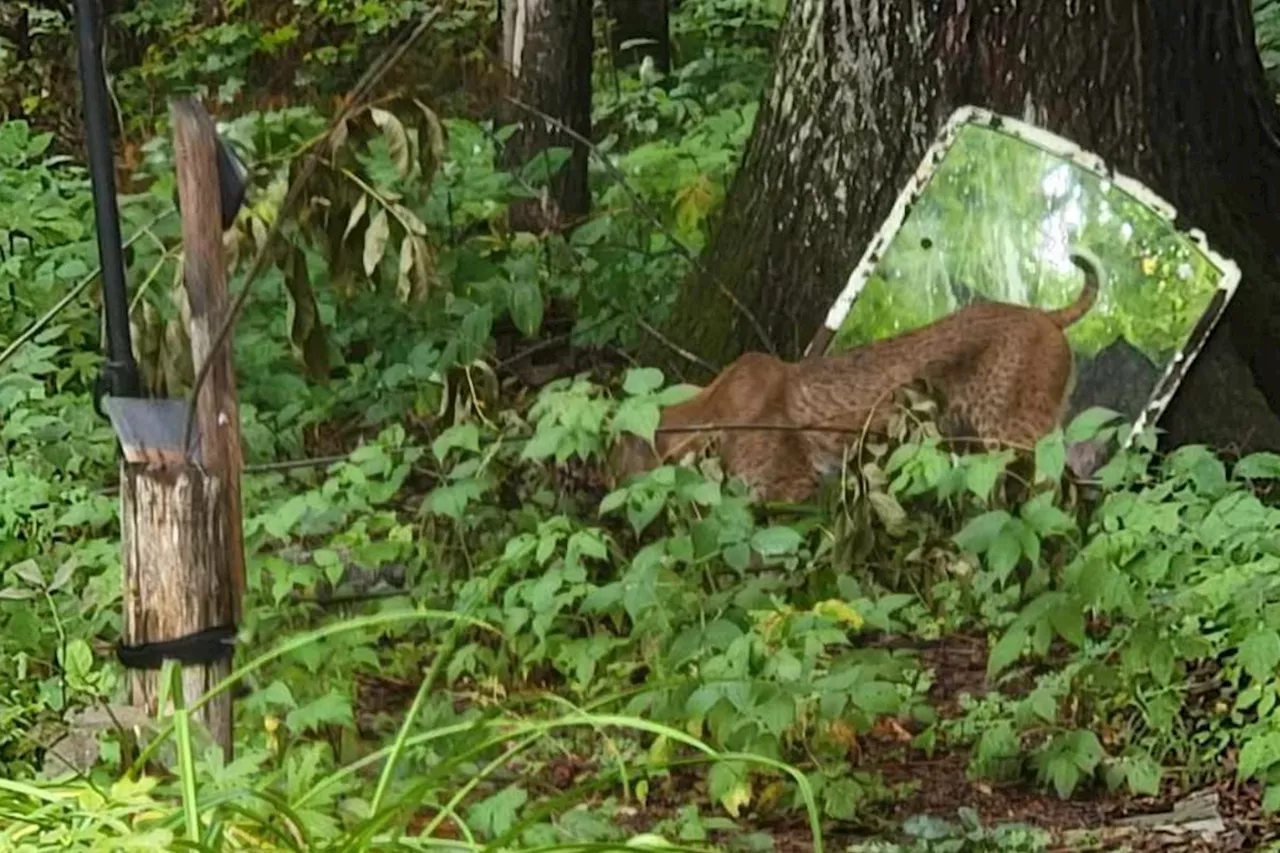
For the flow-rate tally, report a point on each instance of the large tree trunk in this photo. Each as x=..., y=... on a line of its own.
x=633, y=20
x=547, y=51
x=1171, y=93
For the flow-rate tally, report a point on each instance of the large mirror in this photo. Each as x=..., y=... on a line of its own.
x=993, y=213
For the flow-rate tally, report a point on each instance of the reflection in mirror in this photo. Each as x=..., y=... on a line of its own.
x=997, y=219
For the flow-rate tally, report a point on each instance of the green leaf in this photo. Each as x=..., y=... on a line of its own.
x=776, y=541
x=979, y=534
x=1271, y=800
x=1051, y=457
x=1064, y=774
x=877, y=697
x=77, y=660
x=1258, y=755
x=677, y=394
x=638, y=417
x=1088, y=423
x=474, y=332
x=726, y=783
x=525, y=304
x=1044, y=518
x=1003, y=555
x=495, y=815
x=1007, y=650
x=1259, y=654
x=613, y=500
x=982, y=471
x=1142, y=773
x=29, y=572
x=465, y=436
x=642, y=380
x=1068, y=620
x=544, y=443
x=330, y=709
x=1258, y=466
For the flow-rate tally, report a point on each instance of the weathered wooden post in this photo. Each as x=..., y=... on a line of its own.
x=180, y=506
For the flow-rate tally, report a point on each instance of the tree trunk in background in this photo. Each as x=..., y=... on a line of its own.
x=547, y=50
x=1171, y=93
x=640, y=19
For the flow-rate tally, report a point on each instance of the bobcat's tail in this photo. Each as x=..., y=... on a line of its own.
x=1088, y=265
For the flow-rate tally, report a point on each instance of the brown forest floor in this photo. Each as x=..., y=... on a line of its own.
x=939, y=786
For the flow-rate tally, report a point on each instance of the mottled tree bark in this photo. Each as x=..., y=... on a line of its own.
x=547, y=50
x=640, y=19
x=1170, y=93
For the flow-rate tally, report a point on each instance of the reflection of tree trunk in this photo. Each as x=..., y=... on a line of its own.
x=1172, y=93
x=641, y=19
x=547, y=50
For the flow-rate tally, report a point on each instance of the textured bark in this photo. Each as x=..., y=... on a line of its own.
x=1170, y=93
x=641, y=19
x=173, y=528
x=547, y=50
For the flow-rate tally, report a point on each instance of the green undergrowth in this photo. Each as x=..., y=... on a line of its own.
x=457, y=635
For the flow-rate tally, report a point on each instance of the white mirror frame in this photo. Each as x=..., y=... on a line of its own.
x=1067, y=150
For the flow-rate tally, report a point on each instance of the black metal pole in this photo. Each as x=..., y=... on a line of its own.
x=121, y=372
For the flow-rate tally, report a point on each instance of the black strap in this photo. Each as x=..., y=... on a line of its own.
x=198, y=649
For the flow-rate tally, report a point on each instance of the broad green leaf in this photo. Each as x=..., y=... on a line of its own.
x=332, y=708
x=1259, y=654
x=677, y=394
x=525, y=303
x=1088, y=423
x=1051, y=457
x=1258, y=755
x=1143, y=775
x=465, y=436
x=729, y=785
x=638, y=417
x=29, y=571
x=776, y=541
x=496, y=814
x=642, y=380
x=978, y=535
x=1007, y=650
x=1258, y=466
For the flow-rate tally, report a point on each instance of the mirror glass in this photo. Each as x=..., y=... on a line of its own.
x=992, y=216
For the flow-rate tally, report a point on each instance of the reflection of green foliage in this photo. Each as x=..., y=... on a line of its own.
x=996, y=220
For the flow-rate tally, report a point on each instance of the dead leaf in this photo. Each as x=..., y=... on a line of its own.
x=357, y=213
x=375, y=241
x=431, y=149
x=397, y=139
x=306, y=332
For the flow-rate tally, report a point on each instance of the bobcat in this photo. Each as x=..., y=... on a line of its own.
x=1004, y=373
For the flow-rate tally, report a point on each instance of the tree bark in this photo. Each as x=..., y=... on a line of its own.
x=640, y=19
x=547, y=50
x=1173, y=94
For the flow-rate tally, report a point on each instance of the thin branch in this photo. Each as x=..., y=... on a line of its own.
x=674, y=347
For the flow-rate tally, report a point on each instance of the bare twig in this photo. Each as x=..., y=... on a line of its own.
x=674, y=347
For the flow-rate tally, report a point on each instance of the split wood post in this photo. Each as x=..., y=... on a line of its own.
x=181, y=517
